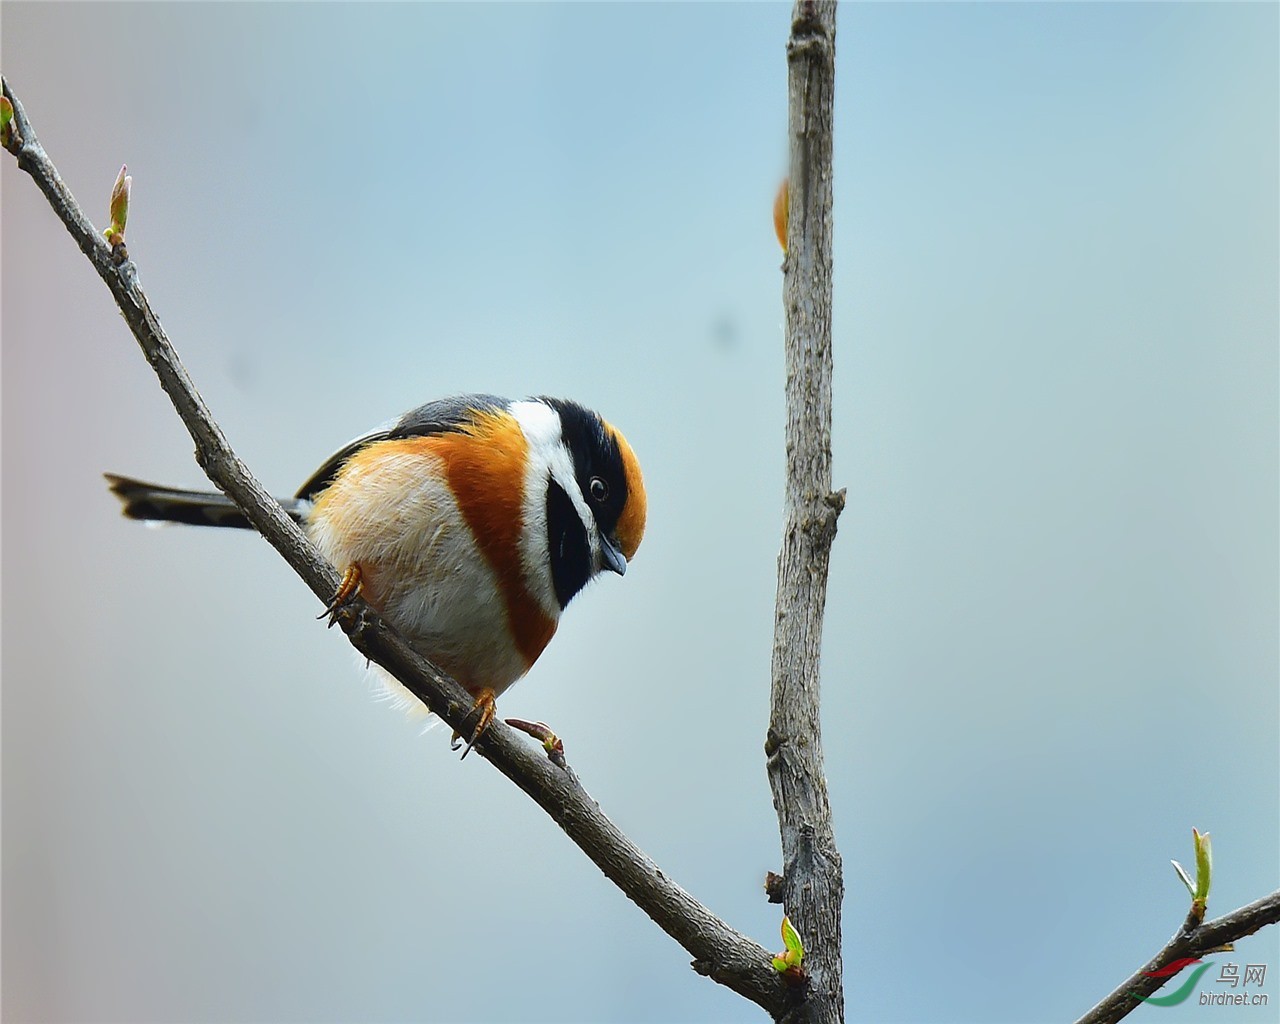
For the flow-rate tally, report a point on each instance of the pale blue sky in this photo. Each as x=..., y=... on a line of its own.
x=1052, y=632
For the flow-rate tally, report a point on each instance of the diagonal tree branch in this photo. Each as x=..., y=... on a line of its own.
x=812, y=885
x=1194, y=939
x=720, y=952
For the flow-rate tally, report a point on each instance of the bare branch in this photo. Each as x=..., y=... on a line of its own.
x=812, y=885
x=1192, y=940
x=719, y=952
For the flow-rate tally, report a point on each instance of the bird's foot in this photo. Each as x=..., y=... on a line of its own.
x=347, y=591
x=483, y=711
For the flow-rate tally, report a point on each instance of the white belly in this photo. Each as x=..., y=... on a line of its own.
x=420, y=566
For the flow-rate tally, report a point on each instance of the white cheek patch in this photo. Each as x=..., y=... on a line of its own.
x=541, y=428
x=549, y=459
x=539, y=422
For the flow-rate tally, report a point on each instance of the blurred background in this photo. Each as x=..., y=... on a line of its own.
x=1052, y=633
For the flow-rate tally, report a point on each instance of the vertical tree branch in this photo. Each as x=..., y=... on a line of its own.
x=812, y=886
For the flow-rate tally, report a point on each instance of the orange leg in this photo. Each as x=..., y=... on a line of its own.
x=347, y=589
x=483, y=710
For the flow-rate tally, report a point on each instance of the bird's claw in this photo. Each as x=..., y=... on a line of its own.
x=347, y=591
x=483, y=710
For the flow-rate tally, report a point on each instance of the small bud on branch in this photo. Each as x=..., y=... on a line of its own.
x=119, y=207
x=6, y=122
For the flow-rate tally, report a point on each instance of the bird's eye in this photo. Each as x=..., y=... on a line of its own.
x=598, y=488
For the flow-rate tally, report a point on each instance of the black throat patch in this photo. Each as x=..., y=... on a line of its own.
x=568, y=545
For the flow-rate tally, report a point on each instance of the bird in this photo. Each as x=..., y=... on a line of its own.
x=469, y=524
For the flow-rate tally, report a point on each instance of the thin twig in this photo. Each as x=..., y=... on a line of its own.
x=1191, y=940
x=719, y=951
x=812, y=885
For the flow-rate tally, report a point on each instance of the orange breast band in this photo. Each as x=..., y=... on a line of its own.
x=486, y=467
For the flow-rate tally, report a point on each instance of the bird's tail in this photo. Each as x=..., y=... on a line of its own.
x=157, y=504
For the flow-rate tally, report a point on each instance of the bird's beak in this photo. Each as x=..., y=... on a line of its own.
x=611, y=555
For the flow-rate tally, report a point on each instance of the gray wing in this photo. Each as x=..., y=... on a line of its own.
x=438, y=417
x=444, y=415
